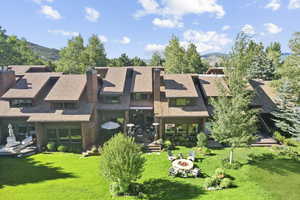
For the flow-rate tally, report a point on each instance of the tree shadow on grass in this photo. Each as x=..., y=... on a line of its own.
x=279, y=166
x=156, y=189
x=18, y=171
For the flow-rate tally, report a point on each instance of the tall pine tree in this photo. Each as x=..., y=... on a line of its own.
x=174, y=57
x=95, y=52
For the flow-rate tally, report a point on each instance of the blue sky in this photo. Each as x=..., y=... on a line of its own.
x=139, y=27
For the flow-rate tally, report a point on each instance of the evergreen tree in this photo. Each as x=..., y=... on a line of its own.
x=73, y=58
x=193, y=61
x=174, y=57
x=290, y=70
x=287, y=114
x=273, y=52
x=136, y=61
x=234, y=123
x=261, y=67
x=156, y=59
x=95, y=52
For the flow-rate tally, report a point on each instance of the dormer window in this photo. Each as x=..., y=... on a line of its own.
x=178, y=102
x=17, y=103
x=111, y=99
x=64, y=105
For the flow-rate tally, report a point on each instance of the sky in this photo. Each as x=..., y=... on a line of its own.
x=140, y=27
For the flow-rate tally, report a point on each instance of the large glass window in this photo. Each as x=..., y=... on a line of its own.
x=64, y=135
x=141, y=96
x=182, y=134
x=20, y=103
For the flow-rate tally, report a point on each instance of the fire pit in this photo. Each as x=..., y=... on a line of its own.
x=183, y=164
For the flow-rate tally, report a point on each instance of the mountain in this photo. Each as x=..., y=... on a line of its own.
x=214, y=54
x=214, y=58
x=44, y=52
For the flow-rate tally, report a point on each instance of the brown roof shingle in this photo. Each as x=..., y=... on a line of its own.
x=29, y=86
x=179, y=85
x=114, y=81
x=67, y=88
x=142, y=80
x=210, y=84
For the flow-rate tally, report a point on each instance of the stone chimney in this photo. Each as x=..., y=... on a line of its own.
x=156, y=84
x=7, y=79
x=92, y=85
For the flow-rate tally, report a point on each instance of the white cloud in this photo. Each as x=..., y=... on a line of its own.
x=273, y=28
x=63, y=33
x=205, y=41
x=125, y=40
x=103, y=38
x=50, y=12
x=225, y=28
x=155, y=47
x=42, y=1
x=294, y=4
x=273, y=4
x=179, y=8
x=167, y=23
x=248, y=29
x=91, y=14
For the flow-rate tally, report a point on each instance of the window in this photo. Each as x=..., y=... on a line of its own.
x=16, y=103
x=180, y=102
x=61, y=106
x=111, y=99
x=141, y=96
x=64, y=135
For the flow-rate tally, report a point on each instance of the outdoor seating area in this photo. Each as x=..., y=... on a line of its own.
x=183, y=167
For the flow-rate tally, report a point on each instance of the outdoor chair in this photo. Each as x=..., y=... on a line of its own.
x=173, y=172
x=191, y=156
x=171, y=157
x=196, y=172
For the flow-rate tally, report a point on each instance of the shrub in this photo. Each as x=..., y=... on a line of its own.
x=226, y=183
x=201, y=140
x=62, y=148
x=209, y=182
x=204, y=151
x=51, y=146
x=220, y=173
x=168, y=144
x=121, y=162
x=280, y=138
x=234, y=165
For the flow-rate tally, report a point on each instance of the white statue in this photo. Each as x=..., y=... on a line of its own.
x=10, y=131
x=11, y=139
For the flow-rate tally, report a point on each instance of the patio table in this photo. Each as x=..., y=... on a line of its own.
x=183, y=164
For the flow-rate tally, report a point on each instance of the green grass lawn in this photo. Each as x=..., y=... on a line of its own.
x=65, y=176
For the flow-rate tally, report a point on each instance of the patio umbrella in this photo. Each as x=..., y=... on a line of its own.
x=110, y=125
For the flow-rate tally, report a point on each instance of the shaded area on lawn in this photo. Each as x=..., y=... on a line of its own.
x=18, y=171
x=170, y=190
x=281, y=166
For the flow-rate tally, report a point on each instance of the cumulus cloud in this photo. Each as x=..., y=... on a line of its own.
x=64, y=33
x=273, y=4
x=225, y=28
x=176, y=9
x=155, y=47
x=180, y=8
x=125, y=40
x=272, y=28
x=91, y=14
x=294, y=4
x=103, y=38
x=50, y=12
x=205, y=41
x=43, y=1
x=248, y=29
x=167, y=23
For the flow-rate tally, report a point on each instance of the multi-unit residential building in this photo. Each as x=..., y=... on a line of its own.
x=71, y=109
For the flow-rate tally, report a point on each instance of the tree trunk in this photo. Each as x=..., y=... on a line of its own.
x=231, y=156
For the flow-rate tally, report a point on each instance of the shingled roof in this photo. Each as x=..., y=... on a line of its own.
x=114, y=81
x=210, y=84
x=179, y=85
x=29, y=86
x=142, y=79
x=67, y=88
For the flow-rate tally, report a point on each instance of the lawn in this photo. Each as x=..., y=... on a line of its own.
x=62, y=176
